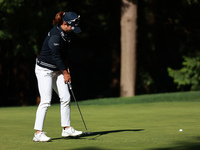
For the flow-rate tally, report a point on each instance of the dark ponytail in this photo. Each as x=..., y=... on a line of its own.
x=58, y=18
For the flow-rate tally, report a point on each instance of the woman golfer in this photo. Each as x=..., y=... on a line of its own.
x=51, y=74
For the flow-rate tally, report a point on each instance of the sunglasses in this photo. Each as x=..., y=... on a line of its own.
x=74, y=22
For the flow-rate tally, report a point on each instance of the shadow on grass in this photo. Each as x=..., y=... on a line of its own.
x=89, y=148
x=183, y=146
x=100, y=133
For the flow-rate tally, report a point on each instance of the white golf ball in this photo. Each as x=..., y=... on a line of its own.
x=180, y=130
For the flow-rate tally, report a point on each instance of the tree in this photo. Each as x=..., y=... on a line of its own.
x=188, y=77
x=128, y=47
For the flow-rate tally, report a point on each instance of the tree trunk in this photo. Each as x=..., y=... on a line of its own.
x=128, y=47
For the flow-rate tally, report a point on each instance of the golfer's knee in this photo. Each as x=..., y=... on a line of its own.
x=65, y=99
x=44, y=103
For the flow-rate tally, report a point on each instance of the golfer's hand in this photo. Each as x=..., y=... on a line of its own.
x=67, y=77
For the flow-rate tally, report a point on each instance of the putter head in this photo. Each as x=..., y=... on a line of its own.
x=88, y=133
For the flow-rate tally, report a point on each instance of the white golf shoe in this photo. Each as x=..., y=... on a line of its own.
x=71, y=132
x=41, y=137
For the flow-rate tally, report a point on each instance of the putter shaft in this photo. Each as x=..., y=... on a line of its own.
x=70, y=87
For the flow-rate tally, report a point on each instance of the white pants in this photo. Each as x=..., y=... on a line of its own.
x=48, y=80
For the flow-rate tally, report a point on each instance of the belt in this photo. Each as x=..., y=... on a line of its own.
x=46, y=65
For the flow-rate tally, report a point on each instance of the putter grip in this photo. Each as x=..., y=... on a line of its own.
x=70, y=85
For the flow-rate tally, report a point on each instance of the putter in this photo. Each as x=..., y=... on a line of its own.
x=70, y=87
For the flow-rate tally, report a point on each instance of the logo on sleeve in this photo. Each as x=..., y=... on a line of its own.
x=56, y=44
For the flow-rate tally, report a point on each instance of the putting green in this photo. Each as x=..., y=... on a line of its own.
x=118, y=126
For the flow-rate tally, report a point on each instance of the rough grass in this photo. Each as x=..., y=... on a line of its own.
x=146, y=122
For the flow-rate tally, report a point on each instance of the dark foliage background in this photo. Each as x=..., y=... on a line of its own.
x=167, y=30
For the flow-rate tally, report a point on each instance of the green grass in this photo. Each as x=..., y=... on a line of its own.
x=146, y=122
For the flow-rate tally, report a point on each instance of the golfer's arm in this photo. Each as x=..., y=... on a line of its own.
x=54, y=45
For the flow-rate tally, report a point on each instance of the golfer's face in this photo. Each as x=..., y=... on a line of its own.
x=66, y=28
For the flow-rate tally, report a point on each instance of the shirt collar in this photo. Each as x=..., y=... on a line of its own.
x=64, y=35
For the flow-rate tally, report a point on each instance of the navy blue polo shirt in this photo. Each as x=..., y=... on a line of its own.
x=55, y=42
